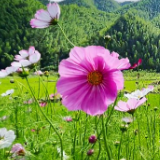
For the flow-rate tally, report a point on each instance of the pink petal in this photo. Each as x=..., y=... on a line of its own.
x=53, y=10
x=115, y=54
x=3, y=74
x=18, y=57
x=117, y=77
x=35, y=23
x=16, y=64
x=25, y=63
x=43, y=15
x=11, y=69
x=23, y=53
x=31, y=50
x=34, y=58
x=122, y=106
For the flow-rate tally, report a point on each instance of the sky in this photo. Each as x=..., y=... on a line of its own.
x=126, y=0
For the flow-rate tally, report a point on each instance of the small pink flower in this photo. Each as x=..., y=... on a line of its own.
x=90, y=79
x=33, y=130
x=43, y=104
x=68, y=118
x=18, y=150
x=130, y=105
x=135, y=65
x=44, y=19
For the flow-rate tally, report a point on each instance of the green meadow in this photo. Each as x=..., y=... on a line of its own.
x=116, y=140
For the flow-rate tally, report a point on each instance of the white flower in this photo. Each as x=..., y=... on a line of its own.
x=7, y=71
x=26, y=57
x=8, y=92
x=6, y=137
x=64, y=154
x=139, y=93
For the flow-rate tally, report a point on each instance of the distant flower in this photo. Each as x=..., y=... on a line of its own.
x=90, y=79
x=5, y=72
x=43, y=104
x=64, y=154
x=130, y=105
x=17, y=150
x=127, y=120
x=92, y=139
x=139, y=93
x=44, y=19
x=8, y=92
x=33, y=130
x=55, y=1
x=30, y=101
x=55, y=96
x=38, y=73
x=3, y=118
x=135, y=65
x=68, y=118
x=6, y=137
x=26, y=58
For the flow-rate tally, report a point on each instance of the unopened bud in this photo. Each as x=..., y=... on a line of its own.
x=90, y=152
x=92, y=139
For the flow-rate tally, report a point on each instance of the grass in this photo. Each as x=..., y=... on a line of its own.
x=140, y=141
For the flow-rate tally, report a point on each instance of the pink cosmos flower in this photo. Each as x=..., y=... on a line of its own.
x=135, y=65
x=26, y=58
x=44, y=19
x=43, y=104
x=18, y=150
x=130, y=105
x=90, y=79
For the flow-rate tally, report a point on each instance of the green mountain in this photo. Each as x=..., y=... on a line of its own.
x=135, y=38
x=148, y=8
x=79, y=23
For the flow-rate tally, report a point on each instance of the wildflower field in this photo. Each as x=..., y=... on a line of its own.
x=113, y=135
x=91, y=104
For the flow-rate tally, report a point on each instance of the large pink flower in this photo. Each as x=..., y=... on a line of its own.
x=43, y=18
x=90, y=79
x=130, y=105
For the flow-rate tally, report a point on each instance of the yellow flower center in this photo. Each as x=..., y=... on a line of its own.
x=95, y=77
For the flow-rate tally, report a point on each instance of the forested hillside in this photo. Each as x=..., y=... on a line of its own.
x=80, y=25
x=148, y=8
x=135, y=38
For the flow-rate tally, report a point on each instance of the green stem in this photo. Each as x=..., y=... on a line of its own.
x=65, y=35
x=104, y=137
x=46, y=118
x=119, y=149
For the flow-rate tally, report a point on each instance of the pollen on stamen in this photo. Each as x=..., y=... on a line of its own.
x=95, y=78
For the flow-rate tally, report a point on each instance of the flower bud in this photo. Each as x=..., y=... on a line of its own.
x=92, y=139
x=90, y=152
x=124, y=127
x=46, y=73
x=11, y=80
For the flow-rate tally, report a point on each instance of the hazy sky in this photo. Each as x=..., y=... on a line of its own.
x=126, y=0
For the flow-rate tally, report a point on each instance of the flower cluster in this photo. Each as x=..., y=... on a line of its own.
x=135, y=99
